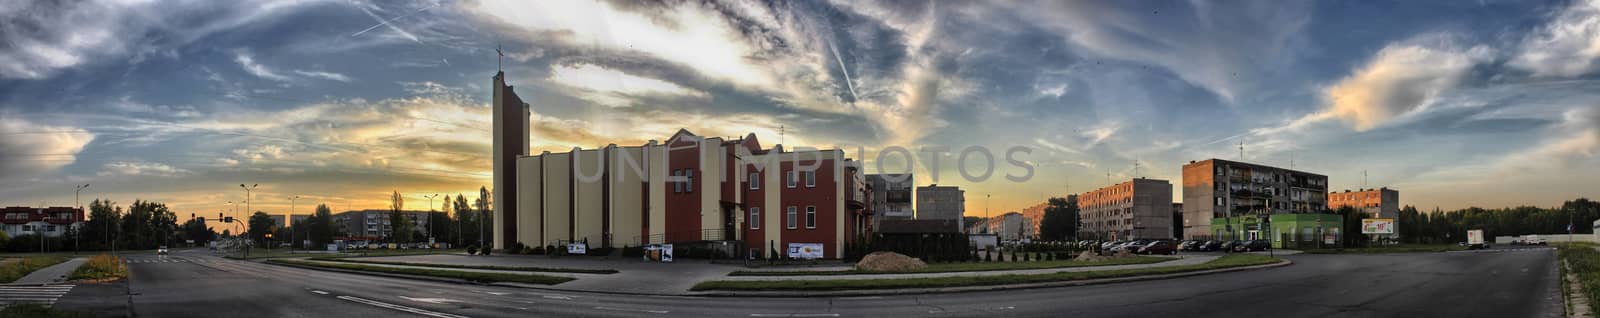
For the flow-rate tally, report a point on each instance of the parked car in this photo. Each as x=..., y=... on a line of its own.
x=1533, y=240
x=1190, y=245
x=1108, y=244
x=1158, y=247
x=1252, y=246
x=1227, y=246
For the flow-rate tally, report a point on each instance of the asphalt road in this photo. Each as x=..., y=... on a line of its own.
x=1499, y=283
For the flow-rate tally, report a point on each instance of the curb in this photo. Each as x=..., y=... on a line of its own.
x=467, y=282
x=914, y=291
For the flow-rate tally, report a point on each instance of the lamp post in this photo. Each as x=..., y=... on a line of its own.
x=430, y=218
x=246, y=210
x=77, y=236
x=291, y=223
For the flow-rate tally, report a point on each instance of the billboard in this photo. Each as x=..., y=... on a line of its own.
x=1377, y=226
x=658, y=253
x=577, y=248
x=805, y=250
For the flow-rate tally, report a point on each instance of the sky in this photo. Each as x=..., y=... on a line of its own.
x=1454, y=103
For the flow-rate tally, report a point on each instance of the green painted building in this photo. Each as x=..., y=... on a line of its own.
x=1285, y=230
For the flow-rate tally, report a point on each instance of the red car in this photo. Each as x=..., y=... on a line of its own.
x=1157, y=247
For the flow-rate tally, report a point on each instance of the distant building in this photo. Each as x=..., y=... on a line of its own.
x=1177, y=219
x=297, y=218
x=1036, y=212
x=278, y=220
x=1227, y=200
x=1383, y=203
x=936, y=202
x=1137, y=209
x=375, y=224
x=891, y=199
x=1012, y=226
x=51, y=221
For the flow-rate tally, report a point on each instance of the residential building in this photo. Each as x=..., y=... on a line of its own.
x=1382, y=203
x=279, y=220
x=693, y=190
x=51, y=221
x=891, y=198
x=297, y=218
x=1012, y=226
x=1177, y=219
x=1226, y=200
x=935, y=202
x=1036, y=212
x=1140, y=208
x=375, y=224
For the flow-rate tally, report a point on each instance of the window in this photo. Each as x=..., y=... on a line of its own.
x=811, y=217
x=755, y=180
x=790, y=218
x=689, y=173
x=811, y=179
x=755, y=218
x=791, y=178
x=676, y=186
x=1219, y=201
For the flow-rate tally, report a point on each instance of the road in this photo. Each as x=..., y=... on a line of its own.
x=1500, y=283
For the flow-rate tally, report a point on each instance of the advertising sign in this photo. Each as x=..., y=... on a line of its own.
x=805, y=250
x=658, y=253
x=577, y=248
x=1377, y=226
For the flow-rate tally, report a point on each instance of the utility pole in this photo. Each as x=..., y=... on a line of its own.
x=430, y=218
x=77, y=239
x=1241, y=150
x=291, y=223
x=247, y=210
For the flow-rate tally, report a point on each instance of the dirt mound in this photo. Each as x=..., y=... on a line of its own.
x=1088, y=256
x=889, y=262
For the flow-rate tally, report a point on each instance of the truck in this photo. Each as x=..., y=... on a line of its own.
x=1475, y=240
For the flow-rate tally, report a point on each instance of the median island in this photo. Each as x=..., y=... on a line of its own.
x=1229, y=261
x=969, y=267
x=460, y=266
x=479, y=277
x=1398, y=248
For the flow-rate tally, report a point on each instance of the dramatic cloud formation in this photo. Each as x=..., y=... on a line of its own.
x=27, y=148
x=1567, y=46
x=1402, y=78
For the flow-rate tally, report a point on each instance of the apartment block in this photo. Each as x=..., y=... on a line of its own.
x=375, y=225
x=51, y=221
x=1136, y=209
x=935, y=202
x=891, y=198
x=1379, y=203
x=1222, y=189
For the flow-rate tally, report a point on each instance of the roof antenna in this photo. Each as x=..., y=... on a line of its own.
x=1241, y=150
x=780, y=134
x=1136, y=167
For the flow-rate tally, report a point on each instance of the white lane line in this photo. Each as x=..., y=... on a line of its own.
x=862, y=298
x=794, y=315
x=320, y=292
x=401, y=308
x=558, y=297
x=1005, y=308
x=632, y=310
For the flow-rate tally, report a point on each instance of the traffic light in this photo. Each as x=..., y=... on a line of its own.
x=201, y=219
x=269, y=235
x=227, y=219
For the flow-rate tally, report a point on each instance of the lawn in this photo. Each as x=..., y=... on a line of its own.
x=14, y=269
x=969, y=267
x=38, y=311
x=480, y=277
x=489, y=267
x=1399, y=248
x=1584, y=262
x=100, y=267
x=855, y=284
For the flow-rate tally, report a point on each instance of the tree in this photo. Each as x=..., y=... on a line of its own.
x=197, y=231
x=400, y=225
x=260, y=224
x=1060, y=220
x=105, y=219
x=321, y=226
x=465, y=222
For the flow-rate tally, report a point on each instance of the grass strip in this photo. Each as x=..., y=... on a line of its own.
x=957, y=281
x=100, y=267
x=469, y=276
x=489, y=267
x=1584, y=261
x=1401, y=248
x=967, y=267
x=14, y=270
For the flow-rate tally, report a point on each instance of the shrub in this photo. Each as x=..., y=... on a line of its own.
x=532, y=251
x=472, y=250
x=100, y=267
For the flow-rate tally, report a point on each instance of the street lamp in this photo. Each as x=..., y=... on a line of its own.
x=77, y=236
x=430, y=218
x=291, y=223
x=247, y=210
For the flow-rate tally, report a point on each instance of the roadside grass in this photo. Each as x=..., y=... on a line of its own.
x=968, y=267
x=489, y=267
x=100, y=267
x=1228, y=261
x=1399, y=248
x=38, y=311
x=1584, y=261
x=465, y=275
x=12, y=270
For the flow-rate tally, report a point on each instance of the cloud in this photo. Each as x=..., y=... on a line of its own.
x=1569, y=45
x=1575, y=137
x=125, y=168
x=600, y=79
x=249, y=64
x=324, y=75
x=27, y=148
x=1401, y=79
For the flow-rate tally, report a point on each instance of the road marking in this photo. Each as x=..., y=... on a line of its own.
x=794, y=315
x=320, y=292
x=632, y=310
x=45, y=294
x=431, y=300
x=862, y=298
x=497, y=293
x=1005, y=308
x=401, y=308
x=558, y=297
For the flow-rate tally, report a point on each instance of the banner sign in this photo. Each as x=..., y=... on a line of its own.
x=658, y=253
x=805, y=250
x=1377, y=226
x=577, y=248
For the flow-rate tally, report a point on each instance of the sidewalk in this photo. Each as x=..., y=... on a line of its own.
x=633, y=276
x=1182, y=260
x=50, y=275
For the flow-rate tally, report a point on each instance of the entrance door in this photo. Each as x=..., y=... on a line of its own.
x=1255, y=234
x=730, y=222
